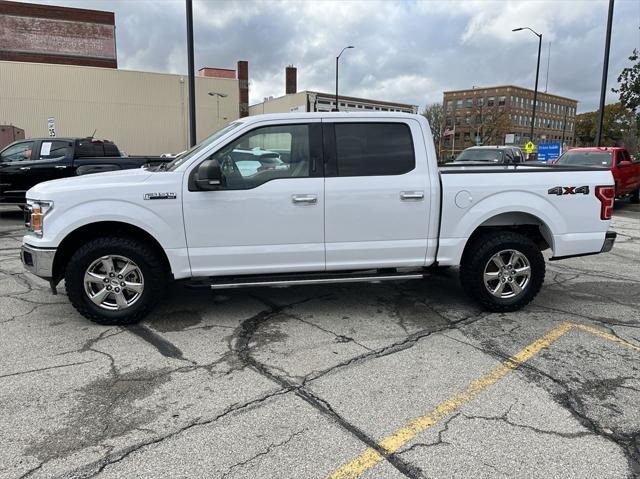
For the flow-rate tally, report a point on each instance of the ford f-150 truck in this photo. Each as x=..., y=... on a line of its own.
x=353, y=197
x=625, y=171
x=25, y=163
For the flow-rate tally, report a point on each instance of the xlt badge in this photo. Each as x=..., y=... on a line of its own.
x=159, y=196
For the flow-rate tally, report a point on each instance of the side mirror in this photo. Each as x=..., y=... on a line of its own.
x=209, y=176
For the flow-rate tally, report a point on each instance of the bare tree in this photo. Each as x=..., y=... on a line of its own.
x=435, y=116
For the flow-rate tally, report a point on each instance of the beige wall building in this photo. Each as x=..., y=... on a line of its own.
x=143, y=113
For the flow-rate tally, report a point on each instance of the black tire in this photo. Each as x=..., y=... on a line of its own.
x=477, y=256
x=635, y=196
x=152, y=266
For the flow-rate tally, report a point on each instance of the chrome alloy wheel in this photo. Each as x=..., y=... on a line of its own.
x=507, y=274
x=113, y=282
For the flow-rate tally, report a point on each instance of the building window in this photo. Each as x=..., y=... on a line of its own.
x=478, y=119
x=480, y=101
x=468, y=102
x=467, y=137
x=458, y=104
x=457, y=120
x=501, y=100
x=449, y=121
x=449, y=105
x=490, y=101
x=467, y=119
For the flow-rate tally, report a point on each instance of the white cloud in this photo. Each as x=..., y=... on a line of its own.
x=406, y=50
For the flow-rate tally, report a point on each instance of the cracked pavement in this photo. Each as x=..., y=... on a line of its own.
x=297, y=382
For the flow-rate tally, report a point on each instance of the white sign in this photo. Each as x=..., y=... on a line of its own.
x=51, y=126
x=45, y=149
x=509, y=139
x=297, y=109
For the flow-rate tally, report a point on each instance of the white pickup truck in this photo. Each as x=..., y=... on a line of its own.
x=290, y=199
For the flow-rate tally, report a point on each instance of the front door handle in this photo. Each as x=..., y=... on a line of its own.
x=411, y=195
x=24, y=168
x=304, y=199
x=60, y=167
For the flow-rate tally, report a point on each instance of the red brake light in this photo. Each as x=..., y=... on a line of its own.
x=606, y=195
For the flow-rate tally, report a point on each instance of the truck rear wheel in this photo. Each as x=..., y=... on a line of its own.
x=115, y=280
x=503, y=271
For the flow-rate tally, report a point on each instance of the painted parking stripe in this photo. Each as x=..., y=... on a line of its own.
x=402, y=436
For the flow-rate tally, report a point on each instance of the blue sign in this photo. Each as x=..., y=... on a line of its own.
x=548, y=151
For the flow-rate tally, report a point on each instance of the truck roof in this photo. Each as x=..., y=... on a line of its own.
x=327, y=114
x=597, y=148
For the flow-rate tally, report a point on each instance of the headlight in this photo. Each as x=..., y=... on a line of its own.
x=34, y=215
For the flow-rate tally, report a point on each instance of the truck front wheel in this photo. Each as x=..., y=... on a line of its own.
x=115, y=280
x=503, y=271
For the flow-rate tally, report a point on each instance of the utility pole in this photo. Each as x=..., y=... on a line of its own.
x=192, y=77
x=605, y=70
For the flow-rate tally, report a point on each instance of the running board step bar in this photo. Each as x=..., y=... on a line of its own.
x=296, y=280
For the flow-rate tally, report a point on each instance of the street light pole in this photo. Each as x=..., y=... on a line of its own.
x=192, y=77
x=338, y=58
x=535, y=90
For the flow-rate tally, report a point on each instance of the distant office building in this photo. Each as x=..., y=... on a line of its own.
x=310, y=101
x=491, y=116
x=51, y=34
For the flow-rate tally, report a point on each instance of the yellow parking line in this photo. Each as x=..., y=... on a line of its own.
x=402, y=436
x=608, y=336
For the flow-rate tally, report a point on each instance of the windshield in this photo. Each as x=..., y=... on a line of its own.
x=481, y=154
x=200, y=146
x=588, y=158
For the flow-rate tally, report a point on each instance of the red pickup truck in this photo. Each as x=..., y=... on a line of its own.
x=626, y=171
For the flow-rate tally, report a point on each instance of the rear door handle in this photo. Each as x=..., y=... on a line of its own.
x=304, y=199
x=411, y=195
x=23, y=168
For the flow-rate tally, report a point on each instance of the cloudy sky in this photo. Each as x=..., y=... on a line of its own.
x=406, y=50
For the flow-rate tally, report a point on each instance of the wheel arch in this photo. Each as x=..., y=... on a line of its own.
x=521, y=222
x=98, y=229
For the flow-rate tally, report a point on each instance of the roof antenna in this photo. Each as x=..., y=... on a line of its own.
x=94, y=133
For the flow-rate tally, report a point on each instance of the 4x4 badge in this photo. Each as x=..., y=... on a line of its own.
x=568, y=190
x=159, y=196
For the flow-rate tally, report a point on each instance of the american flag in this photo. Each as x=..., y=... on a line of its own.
x=448, y=132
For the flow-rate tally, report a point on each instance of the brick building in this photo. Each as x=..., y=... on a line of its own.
x=487, y=115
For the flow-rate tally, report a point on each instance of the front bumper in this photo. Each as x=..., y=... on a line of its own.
x=609, y=239
x=38, y=261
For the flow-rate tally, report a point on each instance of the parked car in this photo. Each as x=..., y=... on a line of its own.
x=362, y=199
x=491, y=154
x=26, y=163
x=626, y=171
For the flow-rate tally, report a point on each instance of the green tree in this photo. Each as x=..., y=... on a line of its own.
x=618, y=127
x=629, y=80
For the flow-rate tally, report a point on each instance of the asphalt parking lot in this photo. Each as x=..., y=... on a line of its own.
x=370, y=380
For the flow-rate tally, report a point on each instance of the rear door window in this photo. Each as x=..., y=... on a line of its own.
x=374, y=149
x=53, y=150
